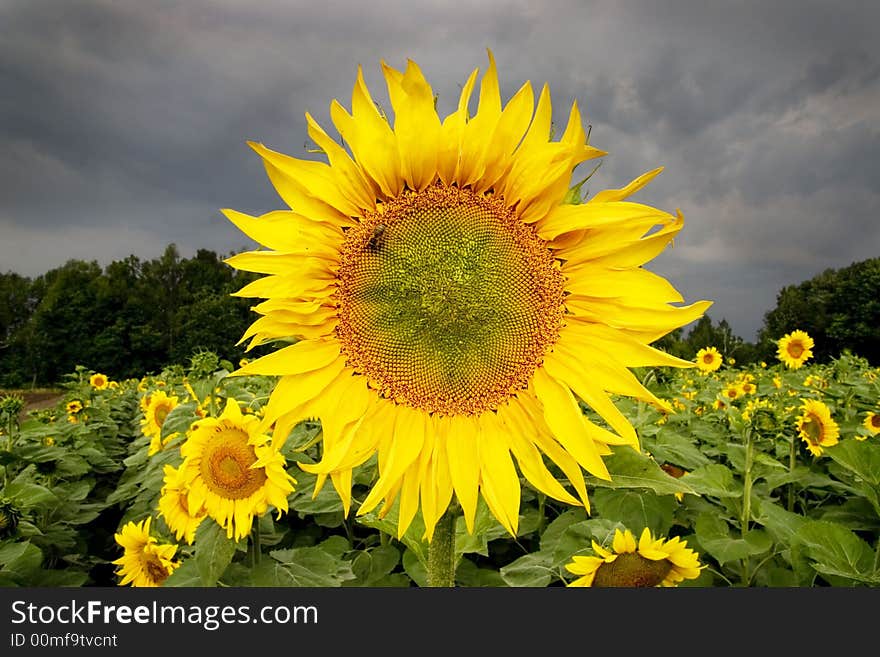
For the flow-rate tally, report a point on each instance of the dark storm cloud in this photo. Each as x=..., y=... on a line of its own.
x=123, y=124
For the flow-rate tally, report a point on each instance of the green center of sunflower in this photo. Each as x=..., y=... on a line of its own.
x=161, y=413
x=226, y=464
x=632, y=570
x=812, y=428
x=446, y=301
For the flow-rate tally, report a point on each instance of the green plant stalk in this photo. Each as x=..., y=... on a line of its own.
x=747, y=497
x=792, y=462
x=441, y=553
x=255, y=543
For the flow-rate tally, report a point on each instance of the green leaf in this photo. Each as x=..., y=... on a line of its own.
x=781, y=524
x=555, y=531
x=715, y=480
x=631, y=469
x=415, y=567
x=636, y=510
x=373, y=565
x=713, y=534
x=531, y=570
x=311, y=566
x=670, y=447
x=28, y=495
x=58, y=578
x=186, y=575
x=20, y=561
x=471, y=575
x=862, y=458
x=834, y=550
x=213, y=552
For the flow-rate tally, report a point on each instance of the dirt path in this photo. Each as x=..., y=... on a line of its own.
x=35, y=399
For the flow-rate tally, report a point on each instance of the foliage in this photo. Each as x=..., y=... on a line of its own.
x=131, y=317
x=730, y=477
x=839, y=308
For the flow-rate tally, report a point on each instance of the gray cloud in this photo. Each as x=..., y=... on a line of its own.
x=123, y=124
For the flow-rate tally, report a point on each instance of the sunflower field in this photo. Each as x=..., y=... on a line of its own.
x=464, y=386
x=764, y=476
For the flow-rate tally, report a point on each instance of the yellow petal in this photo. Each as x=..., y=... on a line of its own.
x=303, y=356
x=296, y=180
x=565, y=419
x=499, y=480
x=404, y=447
x=464, y=463
x=624, y=192
x=289, y=232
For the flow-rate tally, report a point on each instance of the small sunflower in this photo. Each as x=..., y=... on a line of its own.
x=99, y=381
x=748, y=387
x=158, y=406
x=794, y=349
x=733, y=390
x=450, y=307
x=816, y=426
x=232, y=470
x=175, y=507
x=872, y=422
x=74, y=407
x=649, y=563
x=145, y=561
x=709, y=359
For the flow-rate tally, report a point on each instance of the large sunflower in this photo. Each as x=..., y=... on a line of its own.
x=651, y=562
x=816, y=427
x=231, y=469
x=451, y=310
x=144, y=562
x=794, y=349
x=708, y=359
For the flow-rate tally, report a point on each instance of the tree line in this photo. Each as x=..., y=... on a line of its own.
x=135, y=317
x=125, y=320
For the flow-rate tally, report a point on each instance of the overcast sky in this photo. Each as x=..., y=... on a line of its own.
x=123, y=123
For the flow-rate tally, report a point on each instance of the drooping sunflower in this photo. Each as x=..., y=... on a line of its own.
x=872, y=422
x=816, y=427
x=145, y=561
x=708, y=359
x=233, y=471
x=175, y=507
x=652, y=562
x=794, y=349
x=451, y=309
x=157, y=409
x=98, y=381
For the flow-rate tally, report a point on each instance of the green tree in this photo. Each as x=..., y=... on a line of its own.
x=839, y=309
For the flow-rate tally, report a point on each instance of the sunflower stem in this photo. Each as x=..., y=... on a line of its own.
x=747, y=496
x=441, y=553
x=255, y=543
x=792, y=462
